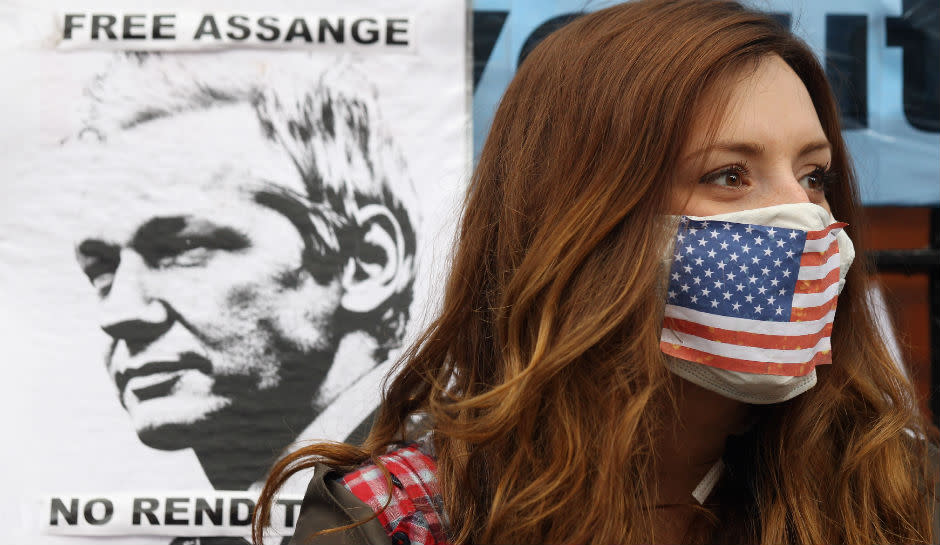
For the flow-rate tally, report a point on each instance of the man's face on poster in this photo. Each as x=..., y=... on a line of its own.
x=202, y=289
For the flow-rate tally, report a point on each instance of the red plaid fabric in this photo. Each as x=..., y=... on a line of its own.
x=415, y=514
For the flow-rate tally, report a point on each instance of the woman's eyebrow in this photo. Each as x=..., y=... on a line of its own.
x=744, y=148
x=754, y=149
x=814, y=146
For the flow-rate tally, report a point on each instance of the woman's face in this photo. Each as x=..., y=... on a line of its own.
x=769, y=148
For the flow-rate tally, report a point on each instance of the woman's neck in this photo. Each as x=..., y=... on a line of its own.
x=687, y=449
x=696, y=440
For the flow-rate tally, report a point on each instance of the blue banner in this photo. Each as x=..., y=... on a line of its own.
x=882, y=57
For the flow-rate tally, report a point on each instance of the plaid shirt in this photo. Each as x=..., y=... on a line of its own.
x=415, y=514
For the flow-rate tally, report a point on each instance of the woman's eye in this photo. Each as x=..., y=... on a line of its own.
x=729, y=177
x=816, y=180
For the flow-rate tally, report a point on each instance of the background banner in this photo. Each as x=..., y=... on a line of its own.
x=882, y=57
x=218, y=228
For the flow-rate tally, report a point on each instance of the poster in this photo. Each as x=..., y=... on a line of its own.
x=220, y=223
x=882, y=57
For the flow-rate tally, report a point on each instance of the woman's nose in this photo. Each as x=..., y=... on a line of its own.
x=784, y=188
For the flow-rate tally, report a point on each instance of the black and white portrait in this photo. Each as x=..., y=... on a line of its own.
x=212, y=253
x=253, y=255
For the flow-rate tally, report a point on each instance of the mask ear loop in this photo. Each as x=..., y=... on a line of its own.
x=671, y=225
x=846, y=256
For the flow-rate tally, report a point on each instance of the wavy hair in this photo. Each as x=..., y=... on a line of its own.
x=543, y=375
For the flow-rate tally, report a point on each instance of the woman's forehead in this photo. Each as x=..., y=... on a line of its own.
x=765, y=104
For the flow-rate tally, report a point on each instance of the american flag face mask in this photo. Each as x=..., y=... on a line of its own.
x=751, y=298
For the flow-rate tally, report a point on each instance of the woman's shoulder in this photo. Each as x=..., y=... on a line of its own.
x=408, y=509
x=414, y=507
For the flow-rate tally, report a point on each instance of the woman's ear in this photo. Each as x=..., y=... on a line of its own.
x=380, y=266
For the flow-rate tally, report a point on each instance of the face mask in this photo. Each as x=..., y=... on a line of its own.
x=751, y=298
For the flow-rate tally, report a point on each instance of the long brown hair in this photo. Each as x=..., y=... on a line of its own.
x=543, y=376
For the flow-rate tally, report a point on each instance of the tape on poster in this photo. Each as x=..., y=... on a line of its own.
x=162, y=513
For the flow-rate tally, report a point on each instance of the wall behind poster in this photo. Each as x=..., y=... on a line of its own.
x=883, y=57
x=165, y=257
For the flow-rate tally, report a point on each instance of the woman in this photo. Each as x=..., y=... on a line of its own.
x=561, y=399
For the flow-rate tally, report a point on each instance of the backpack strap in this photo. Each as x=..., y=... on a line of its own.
x=414, y=514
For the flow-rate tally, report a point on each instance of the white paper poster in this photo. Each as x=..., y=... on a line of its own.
x=219, y=224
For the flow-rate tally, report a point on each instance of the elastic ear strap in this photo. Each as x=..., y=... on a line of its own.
x=846, y=256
